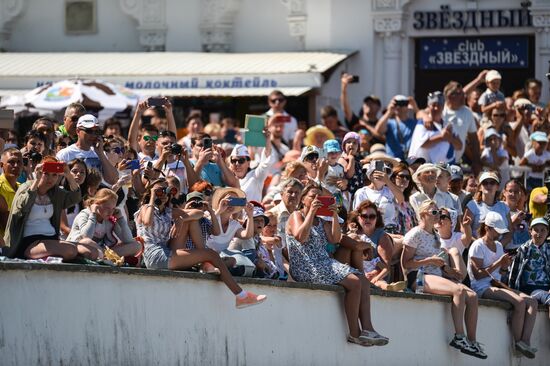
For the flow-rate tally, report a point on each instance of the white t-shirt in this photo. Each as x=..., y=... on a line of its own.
x=72, y=152
x=455, y=241
x=463, y=123
x=442, y=199
x=222, y=241
x=533, y=158
x=478, y=249
x=383, y=199
x=38, y=221
x=480, y=210
x=426, y=246
x=334, y=171
x=433, y=154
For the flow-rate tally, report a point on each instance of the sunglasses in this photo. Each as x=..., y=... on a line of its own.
x=368, y=217
x=444, y=216
x=239, y=161
x=404, y=176
x=150, y=138
x=311, y=157
x=167, y=190
x=435, y=212
x=489, y=182
x=90, y=131
x=275, y=100
x=167, y=133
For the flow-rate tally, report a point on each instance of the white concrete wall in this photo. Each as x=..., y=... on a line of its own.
x=55, y=315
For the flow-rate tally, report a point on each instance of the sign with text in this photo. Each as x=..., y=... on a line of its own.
x=474, y=52
x=472, y=19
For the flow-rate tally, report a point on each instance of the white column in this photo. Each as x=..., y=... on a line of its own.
x=389, y=32
x=540, y=11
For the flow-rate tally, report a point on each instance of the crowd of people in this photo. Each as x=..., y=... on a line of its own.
x=447, y=200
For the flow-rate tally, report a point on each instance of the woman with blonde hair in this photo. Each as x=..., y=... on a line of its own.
x=426, y=263
x=101, y=225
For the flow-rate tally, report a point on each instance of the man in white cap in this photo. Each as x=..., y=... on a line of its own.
x=89, y=147
x=252, y=180
x=537, y=158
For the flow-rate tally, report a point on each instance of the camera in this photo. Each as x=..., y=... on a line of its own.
x=401, y=103
x=35, y=156
x=176, y=149
x=195, y=204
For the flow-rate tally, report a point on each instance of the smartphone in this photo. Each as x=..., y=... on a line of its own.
x=284, y=119
x=237, y=201
x=512, y=252
x=354, y=79
x=207, y=143
x=156, y=102
x=445, y=256
x=379, y=166
x=326, y=201
x=133, y=164
x=53, y=167
x=149, y=165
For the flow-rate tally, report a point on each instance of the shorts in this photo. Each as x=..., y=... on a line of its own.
x=542, y=296
x=157, y=257
x=28, y=240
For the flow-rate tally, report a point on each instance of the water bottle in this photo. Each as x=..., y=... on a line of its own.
x=420, y=281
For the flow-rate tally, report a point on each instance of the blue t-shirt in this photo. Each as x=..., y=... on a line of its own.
x=398, y=137
x=211, y=173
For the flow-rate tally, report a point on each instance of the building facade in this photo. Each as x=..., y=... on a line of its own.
x=403, y=46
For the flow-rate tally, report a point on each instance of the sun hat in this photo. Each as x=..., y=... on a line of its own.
x=539, y=136
x=316, y=130
x=490, y=132
x=260, y=212
x=351, y=135
x=522, y=102
x=308, y=150
x=426, y=167
x=456, y=172
x=195, y=195
x=378, y=152
x=494, y=219
x=219, y=193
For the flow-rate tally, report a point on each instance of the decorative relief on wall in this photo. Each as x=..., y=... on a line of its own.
x=151, y=18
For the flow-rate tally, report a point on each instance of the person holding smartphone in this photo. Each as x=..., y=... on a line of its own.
x=209, y=164
x=32, y=231
x=307, y=237
x=486, y=260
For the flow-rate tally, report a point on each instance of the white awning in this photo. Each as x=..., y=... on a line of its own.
x=174, y=73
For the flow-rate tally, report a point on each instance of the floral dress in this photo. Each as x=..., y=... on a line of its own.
x=310, y=262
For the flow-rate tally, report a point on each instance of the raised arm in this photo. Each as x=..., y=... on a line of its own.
x=133, y=132
x=170, y=116
x=382, y=124
x=344, y=102
x=480, y=79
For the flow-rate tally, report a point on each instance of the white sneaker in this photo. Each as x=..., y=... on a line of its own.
x=374, y=338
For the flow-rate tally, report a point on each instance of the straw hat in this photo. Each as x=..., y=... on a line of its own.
x=316, y=130
x=219, y=193
x=378, y=152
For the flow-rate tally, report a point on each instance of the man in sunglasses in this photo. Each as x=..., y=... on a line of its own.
x=89, y=147
x=72, y=113
x=277, y=104
x=146, y=143
x=522, y=127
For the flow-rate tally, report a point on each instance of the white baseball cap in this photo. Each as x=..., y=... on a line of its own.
x=240, y=150
x=492, y=75
x=494, y=219
x=87, y=121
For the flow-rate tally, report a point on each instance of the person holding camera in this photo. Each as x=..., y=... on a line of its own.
x=209, y=163
x=32, y=230
x=397, y=126
x=165, y=231
x=174, y=161
x=35, y=145
x=89, y=147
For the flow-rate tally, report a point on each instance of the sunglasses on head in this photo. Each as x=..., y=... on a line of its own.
x=368, y=217
x=275, y=100
x=239, y=161
x=150, y=138
x=444, y=216
x=311, y=157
